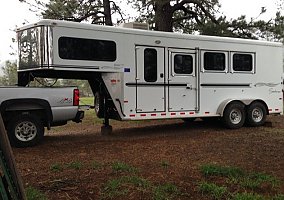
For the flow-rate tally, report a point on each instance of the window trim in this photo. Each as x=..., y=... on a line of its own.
x=87, y=60
x=173, y=54
x=253, y=54
x=147, y=80
x=227, y=58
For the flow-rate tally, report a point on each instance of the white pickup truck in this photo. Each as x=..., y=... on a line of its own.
x=27, y=110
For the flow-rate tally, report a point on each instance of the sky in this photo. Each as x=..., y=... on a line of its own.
x=13, y=14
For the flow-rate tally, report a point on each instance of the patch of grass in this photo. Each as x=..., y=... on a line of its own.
x=121, y=186
x=56, y=167
x=237, y=178
x=118, y=187
x=113, y=188
x=87, y=101
x=215, y=191
x=75, y=165
x=215, y=170
x=249, y=183
x=278, y=197
x=136, y=181
x=166, y=191
x=265, y=178
x=165, y=164
x=123, y=167
x=34, y=194
x=247, y=196
x=96, y=165
x=256, y=180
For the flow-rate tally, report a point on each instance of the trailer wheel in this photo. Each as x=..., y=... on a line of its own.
x=256, y=114
x=25, y=131
x=234, y=115
x=99, y=105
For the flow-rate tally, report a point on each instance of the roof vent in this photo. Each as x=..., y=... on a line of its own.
x=135, y=25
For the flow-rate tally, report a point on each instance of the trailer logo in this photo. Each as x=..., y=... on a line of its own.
x=271, y=90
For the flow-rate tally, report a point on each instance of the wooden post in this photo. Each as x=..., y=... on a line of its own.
x=10, y=178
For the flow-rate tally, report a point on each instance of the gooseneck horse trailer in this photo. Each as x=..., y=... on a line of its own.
x=141, y=74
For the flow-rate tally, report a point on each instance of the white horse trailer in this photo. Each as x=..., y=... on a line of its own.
x=142, y=74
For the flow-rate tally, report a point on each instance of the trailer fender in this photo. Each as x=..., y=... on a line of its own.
x=224, y=104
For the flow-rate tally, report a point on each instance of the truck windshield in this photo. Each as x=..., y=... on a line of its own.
x=34, y=47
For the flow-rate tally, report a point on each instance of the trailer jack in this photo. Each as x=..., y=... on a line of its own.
x=106, y=128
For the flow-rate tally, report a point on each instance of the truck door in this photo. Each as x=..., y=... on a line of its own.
x=150, y=79
x=182, y=80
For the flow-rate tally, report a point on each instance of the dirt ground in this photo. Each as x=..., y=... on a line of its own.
x=170, y=151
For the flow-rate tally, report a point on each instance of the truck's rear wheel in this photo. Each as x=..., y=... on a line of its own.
x=99, y=105
x=234, y=115
x=25, y=130
x=256, y=114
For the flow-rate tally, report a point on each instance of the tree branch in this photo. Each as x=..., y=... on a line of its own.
x=118, y=10
x=180, y=6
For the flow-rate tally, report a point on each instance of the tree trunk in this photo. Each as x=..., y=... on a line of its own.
x=163, y=16
x=107, y=13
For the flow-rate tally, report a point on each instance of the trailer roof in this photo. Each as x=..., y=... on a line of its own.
x=69, y=24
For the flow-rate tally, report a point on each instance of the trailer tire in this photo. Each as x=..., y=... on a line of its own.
x=234, y=115
x=25, y=130
x=256, y=114
x=99, y=104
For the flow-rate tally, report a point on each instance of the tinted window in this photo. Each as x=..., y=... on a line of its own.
x=29, y=48
x=150, y=65
x=86, y=49
x=214, y=61
x=183, y=64
x=242, y=62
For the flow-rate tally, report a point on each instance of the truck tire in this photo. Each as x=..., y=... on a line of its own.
x=234, y=115
x=25, y=130
x=99, y=105
x=256, y=114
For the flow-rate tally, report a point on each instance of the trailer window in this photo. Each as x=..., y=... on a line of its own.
x=86, y=49
x=214, y=61
x=242, y=62
x=150, y=65
x=183, y=64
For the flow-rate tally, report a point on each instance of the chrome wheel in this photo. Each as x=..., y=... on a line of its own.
x=25, y=131
x=257, y=114
x=236, y=116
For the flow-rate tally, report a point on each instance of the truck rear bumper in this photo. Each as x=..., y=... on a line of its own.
x=79, y=116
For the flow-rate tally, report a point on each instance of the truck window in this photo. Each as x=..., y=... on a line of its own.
x=150, y=65
x=183, y=64
x=86, y=49
x=242, y=62
x=214, y=61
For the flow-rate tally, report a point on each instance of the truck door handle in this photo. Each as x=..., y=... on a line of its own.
x=161, y=75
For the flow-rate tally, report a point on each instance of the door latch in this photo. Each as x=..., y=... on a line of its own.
x=189, y=87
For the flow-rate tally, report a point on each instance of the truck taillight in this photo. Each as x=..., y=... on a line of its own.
x=76, y=97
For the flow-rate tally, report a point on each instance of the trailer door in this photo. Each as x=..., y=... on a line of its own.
x=182, y=80
x=150, y=79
